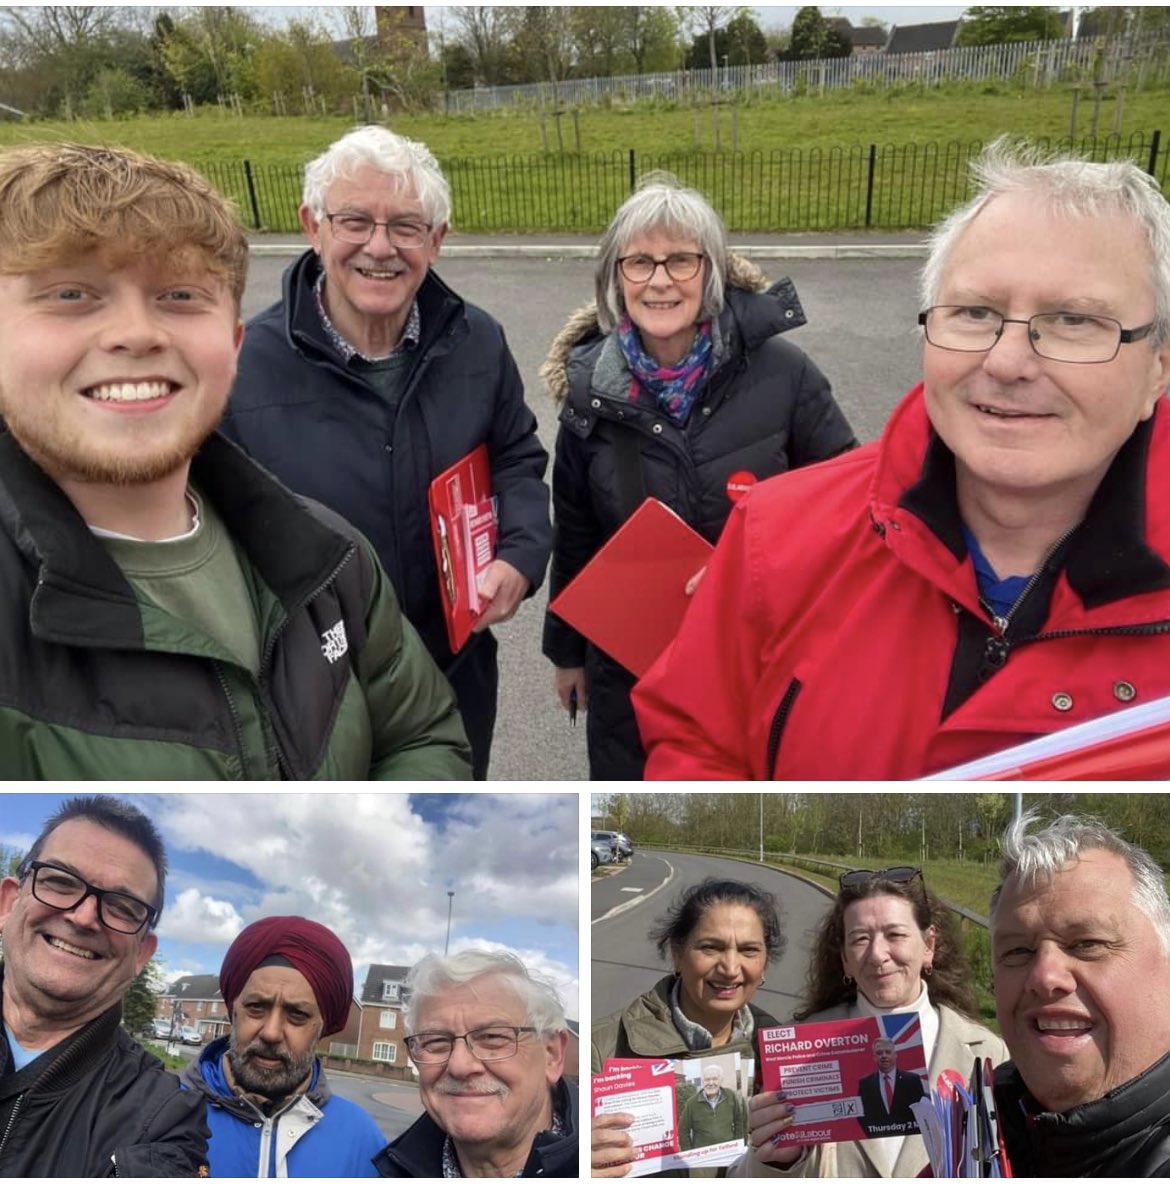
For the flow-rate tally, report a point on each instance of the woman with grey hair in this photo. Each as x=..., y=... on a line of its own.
x=676, y=384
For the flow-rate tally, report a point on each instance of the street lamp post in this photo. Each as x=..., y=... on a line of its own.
x=450, y=903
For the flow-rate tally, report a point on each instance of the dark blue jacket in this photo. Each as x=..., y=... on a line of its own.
x=418, y=1151
x=313, y=1134
x=327, y=433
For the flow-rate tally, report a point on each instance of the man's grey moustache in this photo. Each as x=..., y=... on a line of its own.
x=454, y=1087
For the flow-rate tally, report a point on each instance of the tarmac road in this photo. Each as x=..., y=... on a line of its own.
x=625, y=963
x=861, y=332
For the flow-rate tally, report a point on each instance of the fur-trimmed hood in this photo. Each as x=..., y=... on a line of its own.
x=582, y=324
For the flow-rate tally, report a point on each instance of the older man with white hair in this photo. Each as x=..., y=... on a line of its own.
x=370, y=377
x=716, y=1114
x=1080, y=933
x=488, y=1038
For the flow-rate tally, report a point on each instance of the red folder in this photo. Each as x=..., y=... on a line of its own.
x=630, y=599
x=463, y=532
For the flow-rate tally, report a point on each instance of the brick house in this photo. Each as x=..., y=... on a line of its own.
x=381, y=1027
x=194, y=1000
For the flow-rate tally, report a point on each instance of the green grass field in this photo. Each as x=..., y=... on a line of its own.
x=800, y=162
x=897, y=115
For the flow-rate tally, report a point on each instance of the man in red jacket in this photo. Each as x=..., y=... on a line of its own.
x=997, y=565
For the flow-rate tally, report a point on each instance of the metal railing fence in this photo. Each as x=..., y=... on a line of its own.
x=1030, y=63
x=885, y=187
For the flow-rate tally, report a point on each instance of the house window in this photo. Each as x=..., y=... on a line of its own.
x=336, y=1049
x=387, y=1020
x=385, y=1052
x=391, y=991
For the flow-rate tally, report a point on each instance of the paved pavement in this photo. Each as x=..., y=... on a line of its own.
x=861, y=305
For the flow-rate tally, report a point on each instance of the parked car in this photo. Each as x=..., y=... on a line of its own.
x=191, y=1035
x=160, y=1029
x=619, y=843
x=599, y=854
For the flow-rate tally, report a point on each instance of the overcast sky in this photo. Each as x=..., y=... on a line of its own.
x=375, y=867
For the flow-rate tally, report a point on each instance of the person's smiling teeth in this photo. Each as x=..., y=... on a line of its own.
x=380, y=273
x=68, y=948
x=130, y=392
x=1007, y=414
x=1063, y=1025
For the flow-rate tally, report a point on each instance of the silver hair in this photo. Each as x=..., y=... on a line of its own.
x=1030, y=857
x=712, y=1068
x=661, y=203
x=394, y=155
x=1071, y=188
x=433, y=974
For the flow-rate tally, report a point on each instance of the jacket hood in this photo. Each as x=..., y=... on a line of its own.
x=582, y=325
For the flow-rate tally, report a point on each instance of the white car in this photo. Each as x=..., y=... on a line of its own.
x=160, y=1029
x=191, y=1035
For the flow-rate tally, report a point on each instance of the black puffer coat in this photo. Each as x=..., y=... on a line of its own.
x=1125, y=1134
x=766, y=409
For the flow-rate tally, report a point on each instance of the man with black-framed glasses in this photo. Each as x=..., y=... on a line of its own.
x=488, y=1039
x=370, y=377
x=997, y=566
x=78, y=1096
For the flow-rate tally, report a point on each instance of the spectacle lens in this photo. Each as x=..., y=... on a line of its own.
x=63, y=890
x=485, y=1043
x=1064, y=336
x=680, y=266
x=359, y=229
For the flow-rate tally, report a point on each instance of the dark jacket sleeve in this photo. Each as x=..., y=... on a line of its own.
x=173, y=1140
x=518, y=463
x=819, y=427
x=579, y=535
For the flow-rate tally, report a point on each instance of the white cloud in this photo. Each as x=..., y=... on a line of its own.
x=198, y=919
x=377, y=873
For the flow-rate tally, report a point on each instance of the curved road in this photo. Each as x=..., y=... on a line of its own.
x=626, y=904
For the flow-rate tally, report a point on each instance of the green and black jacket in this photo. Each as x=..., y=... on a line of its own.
x=98, y=683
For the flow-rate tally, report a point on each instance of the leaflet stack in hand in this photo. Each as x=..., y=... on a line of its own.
x=678, y=1123
x=960, y=1127
x=463, y=532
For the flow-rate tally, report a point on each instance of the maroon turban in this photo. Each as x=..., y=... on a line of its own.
x=310, y=948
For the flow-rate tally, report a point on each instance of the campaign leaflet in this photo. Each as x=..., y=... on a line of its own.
x=849, y=1079
x=688, y=1113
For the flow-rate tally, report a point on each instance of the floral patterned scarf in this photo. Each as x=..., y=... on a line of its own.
x=674, y=388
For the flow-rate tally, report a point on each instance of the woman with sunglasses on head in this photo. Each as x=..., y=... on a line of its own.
x=887, y=945
x=719, y=936
x=675, y=384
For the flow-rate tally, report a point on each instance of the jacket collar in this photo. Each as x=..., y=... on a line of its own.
x=1081, y=1141
x=437, y=304
x=205, y=1072
x=82, y=598
x=1109, y=558
x=419, y=1149
x=62, y=1064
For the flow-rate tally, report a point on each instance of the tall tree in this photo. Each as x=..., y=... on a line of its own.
x=813, y=37
x=139, y=1003
x=485, y=31
x=991, y=24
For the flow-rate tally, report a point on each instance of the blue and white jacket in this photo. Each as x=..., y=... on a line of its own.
x=313, y=1134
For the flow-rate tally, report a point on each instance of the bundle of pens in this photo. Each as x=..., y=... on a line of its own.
x=960, y=1127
